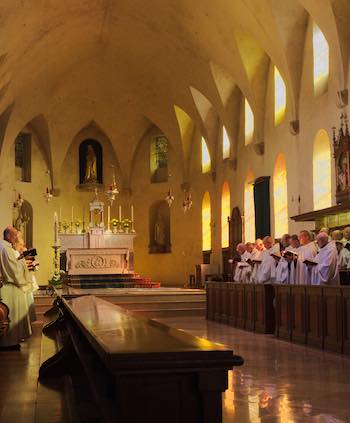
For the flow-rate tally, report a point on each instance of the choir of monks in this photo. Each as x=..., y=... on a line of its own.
x=302, y=260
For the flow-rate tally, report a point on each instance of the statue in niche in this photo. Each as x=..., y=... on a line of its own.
x=342, y=171
x=159, y=221
x=90, y=162
x=159, y=231
x=91, y=166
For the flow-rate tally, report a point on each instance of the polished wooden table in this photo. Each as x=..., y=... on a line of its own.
x=140, y=370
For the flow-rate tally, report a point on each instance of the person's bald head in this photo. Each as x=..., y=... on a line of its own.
x=346, y=233
x=325, y=230
x=259, y=245
x=304, y=237
x=240, y=248
x=337, y=235
x=10, y=234
x=322, y=239
x=268, y=242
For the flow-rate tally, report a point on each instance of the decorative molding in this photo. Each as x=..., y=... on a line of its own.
x=259, y=148
x=294, y=127
x=342, y=98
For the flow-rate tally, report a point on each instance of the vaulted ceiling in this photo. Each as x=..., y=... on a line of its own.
x=131, y=64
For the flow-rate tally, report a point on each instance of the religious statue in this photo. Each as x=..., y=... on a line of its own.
x=159, y=231
x=342, y=173
x=91, y=166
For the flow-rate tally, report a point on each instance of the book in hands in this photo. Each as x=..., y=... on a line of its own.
x=275, y=256
x=256, y=261
x=310, y=262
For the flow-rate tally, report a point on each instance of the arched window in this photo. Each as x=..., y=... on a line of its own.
x=159, y=158
x=226, y=145
x=280, y=97
x=206, y=222
x=225, y=213
x=206, y=162
x=249, y=211
x=280, y=196
x=322, y=171
x=248, y=123
x=321, y=60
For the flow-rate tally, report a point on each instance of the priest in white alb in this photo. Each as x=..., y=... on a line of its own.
x=326, y=271
x=285, y=270
x=243, y=268
x=256, y=260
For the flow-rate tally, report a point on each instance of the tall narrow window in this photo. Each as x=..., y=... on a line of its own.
x=159, y=159
x=280, y=97
x=280, y=196
x=225, y=213
x=249, y=210
x=206, y=161
x=206, y=222
x=248, y=123
x=23, y=159
x=226, y=145
x=322, y=171
x=321, y=60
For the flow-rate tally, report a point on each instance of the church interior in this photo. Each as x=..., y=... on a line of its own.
x=142, y=144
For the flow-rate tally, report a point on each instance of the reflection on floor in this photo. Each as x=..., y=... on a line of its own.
x=280, y=381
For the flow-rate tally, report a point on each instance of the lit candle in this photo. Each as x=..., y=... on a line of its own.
x=72, y=214
x=120, y=213
x=109, y=218
x=132, y=213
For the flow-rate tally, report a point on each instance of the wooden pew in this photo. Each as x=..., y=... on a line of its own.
x=140, y=370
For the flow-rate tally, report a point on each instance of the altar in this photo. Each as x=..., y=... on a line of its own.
x=97, y=251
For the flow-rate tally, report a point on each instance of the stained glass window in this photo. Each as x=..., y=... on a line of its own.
x=322, y=171
x=159, y=159
x=280, y=196
x=249, y=211
x=280, y=97
x=225, y=213
x=321, y=60
x=206, y=222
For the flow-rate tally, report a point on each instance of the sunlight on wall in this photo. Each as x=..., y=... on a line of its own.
x=248, y=123
x=206, y=162
x=321, y=60
x=225, y=213
x=280, y=97
x=280, y=196
x=322, y=182
x=225, y=144
x=249, y=211
x=206, y=222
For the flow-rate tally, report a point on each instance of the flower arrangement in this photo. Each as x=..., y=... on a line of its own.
x=126, y=223
x=115, y=222
x=65, y=225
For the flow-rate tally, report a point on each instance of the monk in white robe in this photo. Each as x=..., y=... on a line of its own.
x=243, y=268
x=326, y=271
x=343, y=256
x=267, y=269
x=307, y=251
x=256, y=260
x=346, y=236
x=16, y=282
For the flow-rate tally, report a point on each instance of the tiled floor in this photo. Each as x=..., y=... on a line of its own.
x=280, y=381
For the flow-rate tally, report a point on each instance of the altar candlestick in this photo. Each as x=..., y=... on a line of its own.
x=120, y=213
x=109, y=218
x=132, y=213
x=72, y=214
x=55, y=227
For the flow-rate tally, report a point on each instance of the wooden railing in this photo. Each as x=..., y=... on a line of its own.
x=317, y=316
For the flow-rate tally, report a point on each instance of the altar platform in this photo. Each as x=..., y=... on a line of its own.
x=160, y=302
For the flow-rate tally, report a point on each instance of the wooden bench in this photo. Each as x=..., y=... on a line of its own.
x=140, y=370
